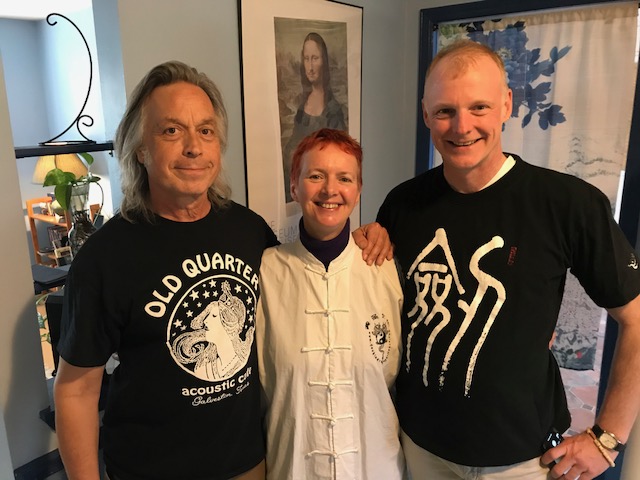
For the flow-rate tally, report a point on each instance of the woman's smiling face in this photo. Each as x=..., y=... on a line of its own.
x=328, y=189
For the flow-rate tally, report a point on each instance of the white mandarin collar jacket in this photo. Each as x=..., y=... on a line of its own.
x=329, y=348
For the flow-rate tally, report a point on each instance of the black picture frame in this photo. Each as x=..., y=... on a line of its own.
x=271, y=36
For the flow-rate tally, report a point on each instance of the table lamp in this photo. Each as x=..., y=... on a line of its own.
x=67, y=162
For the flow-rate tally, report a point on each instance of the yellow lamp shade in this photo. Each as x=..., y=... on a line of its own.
x=67, y=162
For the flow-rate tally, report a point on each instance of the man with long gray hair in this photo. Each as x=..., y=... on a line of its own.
x=137, y=283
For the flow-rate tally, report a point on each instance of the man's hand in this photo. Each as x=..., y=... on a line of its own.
x=578, y=457
x=374, y=241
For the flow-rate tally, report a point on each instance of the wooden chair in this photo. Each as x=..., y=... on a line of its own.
x=38, y=216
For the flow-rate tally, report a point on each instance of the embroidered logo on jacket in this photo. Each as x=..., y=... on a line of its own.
x=379, y=337
x=633, y=263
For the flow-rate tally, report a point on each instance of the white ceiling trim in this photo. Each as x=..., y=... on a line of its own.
x=39, y=9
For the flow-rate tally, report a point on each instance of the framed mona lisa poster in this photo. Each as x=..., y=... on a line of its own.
x=301, y=71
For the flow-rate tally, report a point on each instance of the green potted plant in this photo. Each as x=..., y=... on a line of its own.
x=73, y=196
x=65, y=182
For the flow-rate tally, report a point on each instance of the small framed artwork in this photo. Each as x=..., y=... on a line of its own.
x=294, y=53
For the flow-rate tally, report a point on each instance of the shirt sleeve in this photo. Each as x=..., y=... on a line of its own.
x=88, y=334
x=603, y=260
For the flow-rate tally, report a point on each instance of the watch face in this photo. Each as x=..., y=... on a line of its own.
x=608, y=441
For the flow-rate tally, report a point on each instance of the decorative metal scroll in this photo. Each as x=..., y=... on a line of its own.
x=86, y=120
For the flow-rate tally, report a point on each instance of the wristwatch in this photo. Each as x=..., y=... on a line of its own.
x=607, y=439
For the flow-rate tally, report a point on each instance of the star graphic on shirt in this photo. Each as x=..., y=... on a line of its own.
x=194, y=295
x=206, y=294
x=238, y=288
x=177, y=323
x=189, y=314
x=212, y=283
x=185, y=305
x=249, y=300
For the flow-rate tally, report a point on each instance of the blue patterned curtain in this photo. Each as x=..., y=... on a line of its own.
x=573, y=76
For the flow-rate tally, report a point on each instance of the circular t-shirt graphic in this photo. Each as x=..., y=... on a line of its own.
x=212, y=328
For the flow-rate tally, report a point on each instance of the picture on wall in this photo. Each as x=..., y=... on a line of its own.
x=301, y=69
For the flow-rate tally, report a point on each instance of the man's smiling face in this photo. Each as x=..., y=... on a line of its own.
x=464, y=106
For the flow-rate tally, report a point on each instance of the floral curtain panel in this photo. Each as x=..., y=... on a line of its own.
x=573, y=76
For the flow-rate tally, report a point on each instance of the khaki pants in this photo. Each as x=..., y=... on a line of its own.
x=423, y=465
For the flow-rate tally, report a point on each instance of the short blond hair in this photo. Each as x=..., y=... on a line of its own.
x=464, y=53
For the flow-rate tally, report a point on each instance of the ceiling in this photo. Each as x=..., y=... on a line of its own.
x=39, y=9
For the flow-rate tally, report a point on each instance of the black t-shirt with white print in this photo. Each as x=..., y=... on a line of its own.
x=484, y=276
x=176, y=301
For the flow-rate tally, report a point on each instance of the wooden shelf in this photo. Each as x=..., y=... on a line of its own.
x=39, y=150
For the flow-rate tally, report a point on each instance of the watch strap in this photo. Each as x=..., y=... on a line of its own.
x=599, y=431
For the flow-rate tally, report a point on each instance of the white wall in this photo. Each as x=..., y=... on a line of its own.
x=23, y=392
x=24, y=79
x=20, y=46
x=109, y=57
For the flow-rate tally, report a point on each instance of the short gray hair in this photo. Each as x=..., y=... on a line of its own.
x=128, y=140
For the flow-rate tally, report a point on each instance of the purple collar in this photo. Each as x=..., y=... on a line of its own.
x=325, y=250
